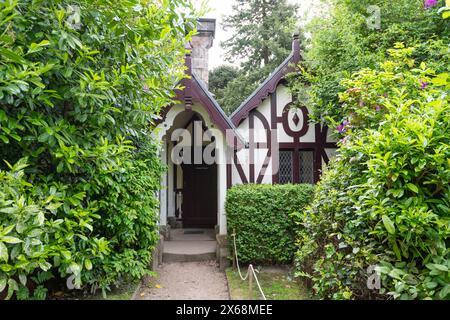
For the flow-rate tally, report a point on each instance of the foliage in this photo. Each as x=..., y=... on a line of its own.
x=385, y=199
x=261, y=40
x=221, y=76
x=262, y=32
x=80, y=86
x=354, y=37
x=238, y=88
x=261, y=217
x=365, y=108
x=33, y=238
x=218, y=81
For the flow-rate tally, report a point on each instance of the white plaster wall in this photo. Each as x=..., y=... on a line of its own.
x=243, y=157
x=221, y=185
x=310, y=136
x=243, y=128
x=330, y=136
x=260, y=155
x=283, y=98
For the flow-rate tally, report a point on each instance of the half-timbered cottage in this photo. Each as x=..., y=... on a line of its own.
x=265, y=140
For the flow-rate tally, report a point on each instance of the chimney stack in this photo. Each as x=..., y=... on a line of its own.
x=201, y=43
x=296, y=47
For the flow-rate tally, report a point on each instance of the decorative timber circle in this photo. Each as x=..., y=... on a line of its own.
x=291, y=121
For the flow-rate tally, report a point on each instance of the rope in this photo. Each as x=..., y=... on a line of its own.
x=250, y=268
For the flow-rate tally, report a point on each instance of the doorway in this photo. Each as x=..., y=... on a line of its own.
x=199, y=205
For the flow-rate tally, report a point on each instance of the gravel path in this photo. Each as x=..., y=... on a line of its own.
x=186, y=281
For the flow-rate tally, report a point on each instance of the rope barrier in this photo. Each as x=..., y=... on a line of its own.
x=250, y=270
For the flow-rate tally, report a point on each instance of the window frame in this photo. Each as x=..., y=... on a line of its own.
x=295, y=165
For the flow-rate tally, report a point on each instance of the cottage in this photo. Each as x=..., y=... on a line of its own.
x=265, y=140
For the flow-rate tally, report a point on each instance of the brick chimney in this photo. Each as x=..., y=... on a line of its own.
x=201, y=43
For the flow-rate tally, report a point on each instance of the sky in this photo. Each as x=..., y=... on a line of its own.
x=219, y=8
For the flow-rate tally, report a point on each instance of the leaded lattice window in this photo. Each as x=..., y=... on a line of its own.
x=285, y=170
x=306, y=166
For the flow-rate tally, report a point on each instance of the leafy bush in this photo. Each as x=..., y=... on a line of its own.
x=385, y=200
x=349, y=39
x=32, y=238
x=262, y=217
x=80, y=87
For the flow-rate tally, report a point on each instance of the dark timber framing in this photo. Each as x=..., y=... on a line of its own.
x=268, y=89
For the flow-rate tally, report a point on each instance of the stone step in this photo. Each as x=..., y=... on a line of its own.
x=189, y=251
x=192, y=234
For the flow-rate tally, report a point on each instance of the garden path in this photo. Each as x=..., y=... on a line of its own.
x=186, y=281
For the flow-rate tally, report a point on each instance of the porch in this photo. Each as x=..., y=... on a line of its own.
x=188, y=245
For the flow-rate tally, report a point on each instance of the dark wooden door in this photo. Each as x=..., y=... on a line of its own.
x=199, y=196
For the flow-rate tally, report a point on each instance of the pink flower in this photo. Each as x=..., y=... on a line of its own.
x=430, y=3
x=353, y=90
x=344, y=140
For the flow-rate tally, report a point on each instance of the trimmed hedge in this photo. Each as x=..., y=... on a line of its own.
x=262, y=217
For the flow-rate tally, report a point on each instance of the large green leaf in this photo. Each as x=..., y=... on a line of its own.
x=11, y=240
x=3, y=253
x=3, y=281
x=12, y=56
x=388, y=224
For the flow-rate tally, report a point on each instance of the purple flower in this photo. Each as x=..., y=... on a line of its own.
x=361, y=103
x=430, y=3
x=378, y=108
x=342, y=127
x=423, y=85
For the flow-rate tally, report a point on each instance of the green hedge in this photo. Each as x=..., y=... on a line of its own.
x=262, y=218
x=81, y=85
x=384, y=203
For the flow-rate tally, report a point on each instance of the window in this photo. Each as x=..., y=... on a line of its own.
x=306, y=166
x=302, y=163
x=285, y=172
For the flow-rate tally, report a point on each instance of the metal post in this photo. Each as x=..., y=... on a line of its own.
x=250, y=282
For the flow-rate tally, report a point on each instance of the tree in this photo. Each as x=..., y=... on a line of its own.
x=261, y=40
x=221, y=76
x=262, y=32
x=351, y=39
x=240, y=87
x=219, y=79
x=80, y=87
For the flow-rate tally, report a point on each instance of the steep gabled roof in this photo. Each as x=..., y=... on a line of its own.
x=224, y=119
x=194, y=90
x=269, y=85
